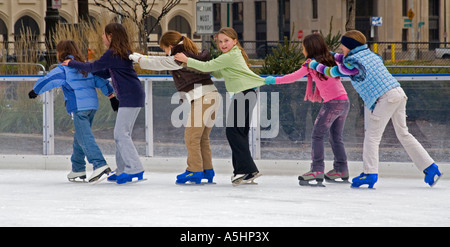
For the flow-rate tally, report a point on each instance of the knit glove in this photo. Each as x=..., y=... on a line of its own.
x=135, y=57
x=114, y=103
x=270, y=80
x=32, y=94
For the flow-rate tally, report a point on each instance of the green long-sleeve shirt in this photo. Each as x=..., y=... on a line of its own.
x=232, y=67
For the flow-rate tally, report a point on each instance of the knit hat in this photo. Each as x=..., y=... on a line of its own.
x=350, y=43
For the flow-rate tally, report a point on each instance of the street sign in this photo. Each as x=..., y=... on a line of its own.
x=56, y=4
x=410, y=14
x=205, y=20
x=377, y=21
x=300, y=34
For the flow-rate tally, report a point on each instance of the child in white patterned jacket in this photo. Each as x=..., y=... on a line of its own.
x=384, y=100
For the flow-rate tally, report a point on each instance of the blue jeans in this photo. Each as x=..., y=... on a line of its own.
x=331, y=118
x=84, y=145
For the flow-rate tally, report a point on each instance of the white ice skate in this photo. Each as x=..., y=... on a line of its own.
x=100, y=174
x=248, y=179
x=77, y=177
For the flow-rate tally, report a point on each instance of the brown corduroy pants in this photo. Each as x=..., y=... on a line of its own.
x=196, y=136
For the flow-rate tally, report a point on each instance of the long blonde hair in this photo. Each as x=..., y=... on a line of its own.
x=173, y=38
x=231, y=33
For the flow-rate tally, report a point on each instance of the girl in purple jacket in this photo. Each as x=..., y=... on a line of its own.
x=115, y=64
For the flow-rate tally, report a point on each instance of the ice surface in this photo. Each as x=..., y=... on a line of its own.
x=45, y=198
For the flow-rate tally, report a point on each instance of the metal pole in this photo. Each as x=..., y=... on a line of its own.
x=148, y=117
x=48, y=124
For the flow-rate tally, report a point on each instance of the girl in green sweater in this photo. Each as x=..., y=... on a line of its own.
x=241, y=82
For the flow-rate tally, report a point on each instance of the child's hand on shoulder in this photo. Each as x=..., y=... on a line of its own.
x=307, y=61
x=135, y=57
x=181, y=57
x=66, y=62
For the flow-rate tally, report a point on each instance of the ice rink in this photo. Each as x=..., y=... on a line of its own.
x=44, y=197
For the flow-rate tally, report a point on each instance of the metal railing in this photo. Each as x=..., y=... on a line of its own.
x=262, y=147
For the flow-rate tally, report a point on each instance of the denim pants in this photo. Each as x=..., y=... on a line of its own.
x=84, y=145
x=391, y=106
x=331, y=118
x=127, y=157
x=237, y=130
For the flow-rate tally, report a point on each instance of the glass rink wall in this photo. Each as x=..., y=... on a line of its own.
x=281, y=127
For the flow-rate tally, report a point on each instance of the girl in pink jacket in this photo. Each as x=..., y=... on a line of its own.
x=331, y=116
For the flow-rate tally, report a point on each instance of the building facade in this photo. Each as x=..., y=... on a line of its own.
x=263, y=19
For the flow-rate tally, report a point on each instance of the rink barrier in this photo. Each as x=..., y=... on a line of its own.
x=148, y=80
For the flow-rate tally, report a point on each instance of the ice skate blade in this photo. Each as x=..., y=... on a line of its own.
x=362, y=188
x=102, y=178
x=306, y=183
x=188, y=183
x=133, y=181
x=435, y=181
x=74, y=180
x=336, y=181
x=244, y=182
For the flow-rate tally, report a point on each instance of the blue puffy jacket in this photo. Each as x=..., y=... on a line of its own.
x=80, y=92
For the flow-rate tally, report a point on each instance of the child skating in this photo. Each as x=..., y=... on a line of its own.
x=232, y=65
x=79, y=88
x=115, y=63
x=199, y=90
x=384, y=100
x=332, y=114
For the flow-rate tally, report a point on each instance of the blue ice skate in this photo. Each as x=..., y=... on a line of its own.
x=125, y=178
x=430, y=174
x=209, y=174
x=369, y=179
x=112, y=178
x=187, y=176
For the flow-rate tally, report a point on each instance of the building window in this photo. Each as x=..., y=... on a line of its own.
x=315, y=12
x=433, y=24
x=180, y=24
x=261, y=20
x=284, y=18
x=217, y=17
x=260, y=11
x=238, y=19
x=405, y=7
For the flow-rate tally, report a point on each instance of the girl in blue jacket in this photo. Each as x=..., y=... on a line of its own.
x=81, y=102
x=115, y=63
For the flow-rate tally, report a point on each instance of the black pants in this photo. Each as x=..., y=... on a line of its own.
x=237, y=129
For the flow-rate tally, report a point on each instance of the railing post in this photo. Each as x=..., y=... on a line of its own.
x=255, y=129
x=48, y=123
x=148, y=117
